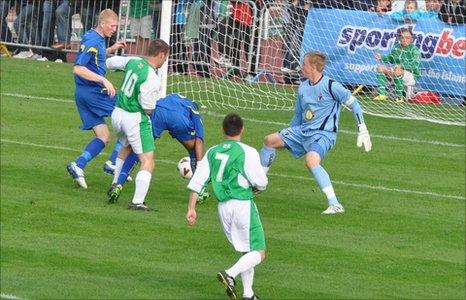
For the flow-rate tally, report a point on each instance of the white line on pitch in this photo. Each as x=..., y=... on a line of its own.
x=357, y=185
x=213, y=114
x=10, y=297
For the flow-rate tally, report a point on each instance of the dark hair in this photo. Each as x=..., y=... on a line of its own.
x=232, y=124
x=158, y=46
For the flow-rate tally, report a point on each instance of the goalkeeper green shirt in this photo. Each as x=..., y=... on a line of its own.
x=408, y=58
x=233, y=168
x=141, y=86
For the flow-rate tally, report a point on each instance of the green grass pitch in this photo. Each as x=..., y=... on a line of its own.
x=403, y=235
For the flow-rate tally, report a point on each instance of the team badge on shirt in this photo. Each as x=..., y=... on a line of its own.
x=309, y=114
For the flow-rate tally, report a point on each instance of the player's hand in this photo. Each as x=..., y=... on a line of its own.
x=191, y=217
x=363, y=138
x=378, y=56
x=109, y=86
x=118, y=45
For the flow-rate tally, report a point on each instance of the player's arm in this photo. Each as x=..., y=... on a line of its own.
x=254, y=170
x=196, y=185
x=87, y=74
x=150, y=92
x=343, y=95
x=118, y=62
x=298, y=112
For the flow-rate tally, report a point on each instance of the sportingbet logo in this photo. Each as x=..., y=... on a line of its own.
x=430, y=44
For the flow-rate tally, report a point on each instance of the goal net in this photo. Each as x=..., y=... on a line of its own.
x=247, y=54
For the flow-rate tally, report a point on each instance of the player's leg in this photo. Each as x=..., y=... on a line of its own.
x=317, y=151
x=382, y=72
x=247, y=236
x=272, y=142
x=142, y=143
x=398, y=81
x=130, y=161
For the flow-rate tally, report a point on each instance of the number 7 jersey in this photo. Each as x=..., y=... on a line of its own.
x=233, y=168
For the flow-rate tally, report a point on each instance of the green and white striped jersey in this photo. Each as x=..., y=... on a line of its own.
x=141, y=87
x=233, y=168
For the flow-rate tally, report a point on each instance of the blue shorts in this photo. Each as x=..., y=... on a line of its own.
x=93, y=105
x=182, y=126
x=300, y=143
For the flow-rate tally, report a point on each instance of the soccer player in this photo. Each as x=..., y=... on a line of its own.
x=406, y=58
x=235, y=171
x=180, y=116
x=313, y=129
x=137, y=97
x=94, y=94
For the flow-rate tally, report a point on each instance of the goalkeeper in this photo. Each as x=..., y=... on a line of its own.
x=313, y=129
x=406, y=58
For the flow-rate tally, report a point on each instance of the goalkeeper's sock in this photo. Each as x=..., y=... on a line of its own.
x=382, y=79
x=130, y=161
x=115, y=152
x=398, y=86
x=92, y=150
x=246, y=262
x=323, y=180
x=142, y=186
x=267, y=155
x=193, y=160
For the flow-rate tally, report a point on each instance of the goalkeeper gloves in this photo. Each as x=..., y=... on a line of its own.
x=363, y=138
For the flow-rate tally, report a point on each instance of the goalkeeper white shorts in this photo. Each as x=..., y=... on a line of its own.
x=408, y=78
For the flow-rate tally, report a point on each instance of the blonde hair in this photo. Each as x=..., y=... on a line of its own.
x=107, y=14
x=408, y=2
x=316, y=58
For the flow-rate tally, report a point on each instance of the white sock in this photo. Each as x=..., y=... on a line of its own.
x=266, y=169
x=246, y=262
x=142, y=186
x=118, y=165
x=247, y=277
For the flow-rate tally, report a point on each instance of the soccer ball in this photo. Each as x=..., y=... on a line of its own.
x=184, y=167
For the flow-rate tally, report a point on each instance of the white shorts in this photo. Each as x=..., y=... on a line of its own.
x=408, y=78
x=133, y=129
x=241, y=224
x=141, y=27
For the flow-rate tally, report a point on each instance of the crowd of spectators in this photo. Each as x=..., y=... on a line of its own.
x=231, y=27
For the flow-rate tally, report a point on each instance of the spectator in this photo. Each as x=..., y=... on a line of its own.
x=432, y=9
x=244, y=34
x=178, y=51
x=26, y=26
x=63, y=21
x=224, y=23
x=453, y=11
x=382, y=7
x=5, y=35
x=406, y=59
x=292, y=39
x=409, y=14
x=398, y=5
x=141, y=24
x=202, y=43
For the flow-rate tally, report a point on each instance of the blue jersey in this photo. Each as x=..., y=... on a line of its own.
x=92, y=55
x=180, y=116
x=318, y=106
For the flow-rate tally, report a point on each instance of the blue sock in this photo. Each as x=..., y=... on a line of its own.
x=267, y=155
x=128, y=165
x=92, y=150
x=115, y=152
x=193, y=159
x=323, y=180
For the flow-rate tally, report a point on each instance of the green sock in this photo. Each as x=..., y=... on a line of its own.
x=382, y=79
x=398, y=86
